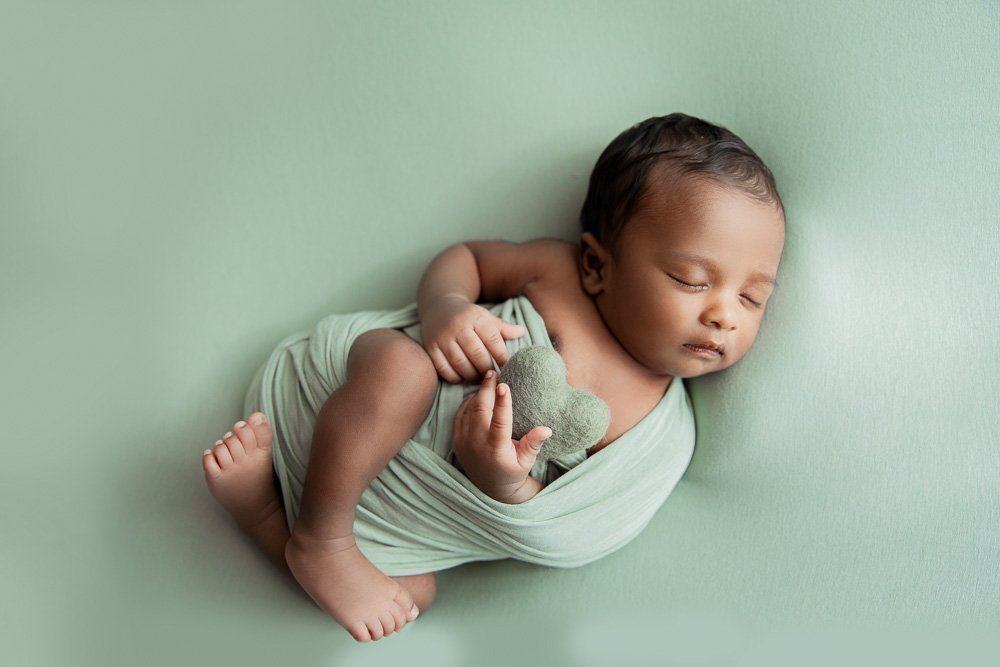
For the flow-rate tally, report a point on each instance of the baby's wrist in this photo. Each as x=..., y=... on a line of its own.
x=527, y=490
x=430, y=305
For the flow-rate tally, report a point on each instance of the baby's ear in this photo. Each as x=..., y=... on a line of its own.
x=592, y=260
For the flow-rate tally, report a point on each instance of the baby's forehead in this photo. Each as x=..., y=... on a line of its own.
x=728, y=237
x=697, y=206
x=667, y=189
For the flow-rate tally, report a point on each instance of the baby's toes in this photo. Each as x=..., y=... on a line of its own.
x=222, y=455
x=399, y=616
x=211, y=466
x=261, y=429
x=235, y=446
x=375, y=629
x=406, y=603
x=388, y=622
x=360, y=632
x=246, y=436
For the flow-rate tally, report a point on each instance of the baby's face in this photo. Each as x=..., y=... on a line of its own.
x=644, y=299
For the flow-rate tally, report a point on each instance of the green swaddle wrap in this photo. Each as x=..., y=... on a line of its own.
x=420, y=514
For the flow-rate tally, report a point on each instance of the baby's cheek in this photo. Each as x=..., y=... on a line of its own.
x=738, y=353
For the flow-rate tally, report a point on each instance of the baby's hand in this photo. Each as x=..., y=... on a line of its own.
x=463, y=338
x=481, y=440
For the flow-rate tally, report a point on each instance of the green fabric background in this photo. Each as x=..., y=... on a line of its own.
x=184, y=184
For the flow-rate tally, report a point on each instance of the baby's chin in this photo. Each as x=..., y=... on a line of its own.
x=690, y=376
x=696, y=366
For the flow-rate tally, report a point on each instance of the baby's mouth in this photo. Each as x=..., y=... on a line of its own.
x=704, y=350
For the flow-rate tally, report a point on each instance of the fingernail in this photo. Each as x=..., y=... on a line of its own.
x=240, y=424
x=414, y=612
x=502, y=390
x=207, y=451
x=489, y=374
x=228, y=433
x=255, y=420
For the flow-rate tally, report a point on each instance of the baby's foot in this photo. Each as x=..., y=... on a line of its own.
x=338, y=577
x=238, y=472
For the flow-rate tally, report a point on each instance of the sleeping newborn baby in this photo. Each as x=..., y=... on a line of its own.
x=682, y=231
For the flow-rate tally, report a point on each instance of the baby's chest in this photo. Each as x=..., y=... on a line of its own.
x=565, y=322
x=589, y=366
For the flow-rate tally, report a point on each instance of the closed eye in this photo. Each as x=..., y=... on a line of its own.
x=755, y=303
x=684, y=283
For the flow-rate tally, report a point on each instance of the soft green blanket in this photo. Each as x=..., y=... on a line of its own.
x=420, y=514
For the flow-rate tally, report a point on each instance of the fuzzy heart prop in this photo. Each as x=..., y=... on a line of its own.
x=541, y=396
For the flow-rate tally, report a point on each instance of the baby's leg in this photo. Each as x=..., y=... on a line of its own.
x=390, y=386
x=240, y=475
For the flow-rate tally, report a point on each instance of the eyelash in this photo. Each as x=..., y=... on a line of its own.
x=755, y=304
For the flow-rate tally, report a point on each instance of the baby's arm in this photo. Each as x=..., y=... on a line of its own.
x=467, y=272
x=463, y=339
x=490, y=271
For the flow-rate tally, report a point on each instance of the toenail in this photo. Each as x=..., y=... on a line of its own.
x=218, y=442
x=228, y=434
x=255, y=420
x=207, y=451
x=240, y=424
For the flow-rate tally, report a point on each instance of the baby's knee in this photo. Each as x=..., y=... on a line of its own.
x=391, y=355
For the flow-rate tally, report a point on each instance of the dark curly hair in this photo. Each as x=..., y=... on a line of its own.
x=664, y=150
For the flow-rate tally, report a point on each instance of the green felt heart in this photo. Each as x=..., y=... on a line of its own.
x=541, y=396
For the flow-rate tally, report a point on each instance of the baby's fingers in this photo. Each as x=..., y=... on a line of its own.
x=494, y=342
x=503, y=417
x=442, y=365
x=460, y=426
x=482, y=410
x=475, y=352
x=460, y=362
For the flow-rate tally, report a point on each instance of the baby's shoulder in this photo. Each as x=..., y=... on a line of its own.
x=568, y=312
x=561, y=272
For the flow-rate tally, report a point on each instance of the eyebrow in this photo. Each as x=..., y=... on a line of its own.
x=756, y=276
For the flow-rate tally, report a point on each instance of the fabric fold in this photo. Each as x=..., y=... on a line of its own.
x=420, y=514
